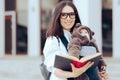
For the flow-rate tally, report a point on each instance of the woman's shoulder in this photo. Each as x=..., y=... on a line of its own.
x=52, y=39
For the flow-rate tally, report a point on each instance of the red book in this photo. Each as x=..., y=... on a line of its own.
x=63, y=61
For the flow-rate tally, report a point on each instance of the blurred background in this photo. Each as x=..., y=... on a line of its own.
x=23, y=24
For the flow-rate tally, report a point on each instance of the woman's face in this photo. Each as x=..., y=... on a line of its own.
x=67, y=18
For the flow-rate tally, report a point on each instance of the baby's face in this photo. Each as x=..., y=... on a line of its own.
x=84, y=32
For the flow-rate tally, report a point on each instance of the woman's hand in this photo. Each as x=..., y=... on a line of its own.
x=75, y=71
x=78, y=71
x=103, y=72
x=104, y=75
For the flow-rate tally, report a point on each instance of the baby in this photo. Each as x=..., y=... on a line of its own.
x=83, y=44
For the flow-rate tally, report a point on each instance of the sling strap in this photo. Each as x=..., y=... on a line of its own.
x=64, y=41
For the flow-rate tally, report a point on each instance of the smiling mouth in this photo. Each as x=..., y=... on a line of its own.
x=68, y=22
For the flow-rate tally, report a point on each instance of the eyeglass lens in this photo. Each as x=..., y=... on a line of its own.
x=65, y=15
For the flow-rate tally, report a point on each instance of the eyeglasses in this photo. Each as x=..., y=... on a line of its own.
x=65, y=15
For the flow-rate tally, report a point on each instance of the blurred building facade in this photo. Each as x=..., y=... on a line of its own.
x=24, y=23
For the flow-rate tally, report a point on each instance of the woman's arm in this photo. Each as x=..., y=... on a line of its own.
x=75, y=71
x=51, y=48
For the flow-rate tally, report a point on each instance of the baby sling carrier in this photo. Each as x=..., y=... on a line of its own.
x=88, y=72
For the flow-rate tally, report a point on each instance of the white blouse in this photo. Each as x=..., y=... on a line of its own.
x=51, y=48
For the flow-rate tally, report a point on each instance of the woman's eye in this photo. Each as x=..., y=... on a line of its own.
x=63, y=14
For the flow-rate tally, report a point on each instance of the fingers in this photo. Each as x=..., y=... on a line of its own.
x=104, y=75
x=72, y=66
x=88, y=65
x=78, y=71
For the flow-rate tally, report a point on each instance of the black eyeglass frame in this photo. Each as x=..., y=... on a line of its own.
x=71, y=15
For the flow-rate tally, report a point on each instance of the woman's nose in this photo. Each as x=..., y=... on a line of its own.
x=68, y=17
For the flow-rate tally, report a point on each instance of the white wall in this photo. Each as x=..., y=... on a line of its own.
x=95, y=22
x=2, y=29
x=83, y=10
x=116, y=28
x=90, y=14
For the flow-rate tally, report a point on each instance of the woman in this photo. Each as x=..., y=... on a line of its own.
x=64, y=18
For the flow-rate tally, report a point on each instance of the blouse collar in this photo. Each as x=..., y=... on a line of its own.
x=67, y=35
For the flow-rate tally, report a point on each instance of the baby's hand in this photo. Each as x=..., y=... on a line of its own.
x=104, y=75
x=102, y=69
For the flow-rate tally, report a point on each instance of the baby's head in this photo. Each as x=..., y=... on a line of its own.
x=82, y=31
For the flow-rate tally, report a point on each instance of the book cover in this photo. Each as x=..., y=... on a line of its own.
x=63, y=61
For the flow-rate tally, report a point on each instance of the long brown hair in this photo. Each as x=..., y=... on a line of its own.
x=55, y=28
